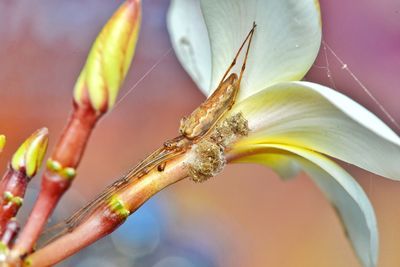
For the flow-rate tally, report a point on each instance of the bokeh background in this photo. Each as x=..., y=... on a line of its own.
x=246, y=216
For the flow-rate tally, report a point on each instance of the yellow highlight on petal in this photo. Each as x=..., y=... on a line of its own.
x=109, y=59
x=318, y=8
x=2, y=142
x=28, y=158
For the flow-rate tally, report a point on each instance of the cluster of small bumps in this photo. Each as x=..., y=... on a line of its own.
x=229, y=130
x=210, y=158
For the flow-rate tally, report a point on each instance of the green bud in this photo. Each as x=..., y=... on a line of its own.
x=53, y=165
x=29, y=155
x=2, y=142
x=109, y=59
x=7, y=195
x=17, y=201
x=3, y=249
x=68, y=173
x=117, y=206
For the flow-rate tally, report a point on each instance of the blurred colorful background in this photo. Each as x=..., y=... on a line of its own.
x=246, y=216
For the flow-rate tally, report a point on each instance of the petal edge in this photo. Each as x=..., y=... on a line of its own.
x=318, y=118
x=344, y=192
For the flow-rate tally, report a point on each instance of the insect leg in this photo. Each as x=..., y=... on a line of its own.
x=174, y=143
x=250, y=34
x=155, y=159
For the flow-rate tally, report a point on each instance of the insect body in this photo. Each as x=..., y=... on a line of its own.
x=192, y=129
x=208, y=113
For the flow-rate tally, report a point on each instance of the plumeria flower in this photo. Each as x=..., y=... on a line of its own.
x=294, y=125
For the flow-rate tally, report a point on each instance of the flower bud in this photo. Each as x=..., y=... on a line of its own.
x=109, y=59
x=2, y=141
x=29, y=155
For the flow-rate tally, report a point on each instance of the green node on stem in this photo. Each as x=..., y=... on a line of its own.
x=9, y=197
x=3, y=249
x=117, y=206
x=68, y=173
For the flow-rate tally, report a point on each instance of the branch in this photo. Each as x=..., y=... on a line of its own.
x=13, y=187
x=94, y=94
x=108, y=217
x=201, y=159
x=25, y=163
x=57, y=178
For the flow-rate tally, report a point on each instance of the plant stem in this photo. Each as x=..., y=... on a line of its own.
x=105, y=219
x=59, y=173
x=12, y=189
x=10, y=233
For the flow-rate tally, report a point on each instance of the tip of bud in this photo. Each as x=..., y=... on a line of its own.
x=109, y=59
x=2, y=141
x=28, y=158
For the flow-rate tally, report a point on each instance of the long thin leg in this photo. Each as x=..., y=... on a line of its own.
x=159, y=156
x=151, y=161
x=247, y=53
x=250, y=34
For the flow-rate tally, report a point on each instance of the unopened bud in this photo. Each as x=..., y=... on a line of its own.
x=109, y=59
x=2, y=141
x=29, y=155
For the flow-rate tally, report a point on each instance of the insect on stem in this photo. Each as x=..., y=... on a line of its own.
x=220, y=101
x=192, y=129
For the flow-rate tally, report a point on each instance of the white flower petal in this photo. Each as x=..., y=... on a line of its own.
x=190, y=41
x=341, y=189
x=285, y=43
x=284, y=166
x=318, y=118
